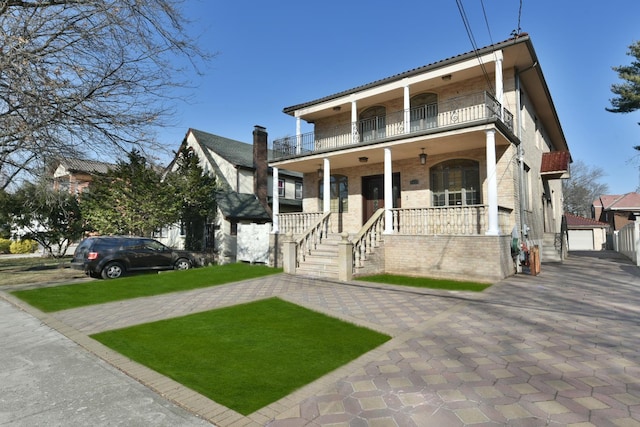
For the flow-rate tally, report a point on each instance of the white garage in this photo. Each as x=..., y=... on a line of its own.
x=586, y=234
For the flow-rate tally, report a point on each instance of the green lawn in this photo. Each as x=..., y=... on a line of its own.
x=102, y=291
x=246, y=356
x=423, y=282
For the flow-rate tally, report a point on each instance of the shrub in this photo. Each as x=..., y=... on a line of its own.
x=4, y=245
x=26, y=246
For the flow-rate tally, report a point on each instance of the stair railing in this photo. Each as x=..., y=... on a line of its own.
x=312, y=238
x=368, y=238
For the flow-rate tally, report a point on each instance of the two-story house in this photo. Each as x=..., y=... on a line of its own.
x=616, y=210
x=75, y=175
x=444, y=170
x=245, y=195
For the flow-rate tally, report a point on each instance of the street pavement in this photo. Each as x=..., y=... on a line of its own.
x=558, y=349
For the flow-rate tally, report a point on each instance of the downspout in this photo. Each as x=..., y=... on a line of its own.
x=523, y=227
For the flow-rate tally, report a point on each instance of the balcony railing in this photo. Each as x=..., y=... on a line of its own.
x=455, y=111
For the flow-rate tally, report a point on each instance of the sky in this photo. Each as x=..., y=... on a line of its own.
x=272, y=55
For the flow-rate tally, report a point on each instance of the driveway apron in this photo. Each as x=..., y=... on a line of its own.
x=560, y=348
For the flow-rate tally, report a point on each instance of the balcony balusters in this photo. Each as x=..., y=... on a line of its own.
x=455, y=111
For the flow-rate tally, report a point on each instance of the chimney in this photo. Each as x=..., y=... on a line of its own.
x=261, y=172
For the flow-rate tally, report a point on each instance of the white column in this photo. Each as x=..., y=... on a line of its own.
x=326, y=184
x=407, y=107
x=388, y=192
x=355, y=138
x=298, y=135
x=499, y=82
x=275, y=208
x=492, y=184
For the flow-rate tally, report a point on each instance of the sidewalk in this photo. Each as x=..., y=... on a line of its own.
x=561, y=348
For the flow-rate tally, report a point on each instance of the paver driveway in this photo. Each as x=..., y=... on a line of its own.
x=561, y=348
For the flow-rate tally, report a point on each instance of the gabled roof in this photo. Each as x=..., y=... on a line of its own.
x=239, y=206
x=235, y=152
x=624, y=202
x=576, y=222
x=86, y=166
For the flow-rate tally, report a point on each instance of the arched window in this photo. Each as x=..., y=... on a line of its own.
x=455, y=183
x=424, y=111
x=339, y=189
x=372, y=123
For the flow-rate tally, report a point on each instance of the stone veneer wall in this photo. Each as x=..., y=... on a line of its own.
x=480, y=258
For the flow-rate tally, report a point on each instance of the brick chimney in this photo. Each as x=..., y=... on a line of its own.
x=261, y=173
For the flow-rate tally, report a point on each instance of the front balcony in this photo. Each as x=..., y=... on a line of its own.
x=455, y=112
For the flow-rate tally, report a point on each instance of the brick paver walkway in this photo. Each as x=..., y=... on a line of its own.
x=562, y=348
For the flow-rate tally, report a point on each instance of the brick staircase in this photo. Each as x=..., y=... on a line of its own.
x=323, y=260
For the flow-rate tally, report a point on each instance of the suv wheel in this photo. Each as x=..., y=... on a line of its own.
x=113, y=270
x=182, y=264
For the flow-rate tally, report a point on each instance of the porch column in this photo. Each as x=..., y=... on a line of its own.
x=326, y=183
x=355, y=138
x=388, y=192
x=407, y=107
x=499, y=82
x=275, y=207
x=298, y=136
x=492, y=183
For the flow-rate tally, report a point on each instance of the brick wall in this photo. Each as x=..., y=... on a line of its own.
x=480, y=258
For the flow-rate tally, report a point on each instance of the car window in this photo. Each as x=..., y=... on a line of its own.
x=153, y=245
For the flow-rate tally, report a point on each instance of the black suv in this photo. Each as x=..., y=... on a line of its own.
x=110, y=257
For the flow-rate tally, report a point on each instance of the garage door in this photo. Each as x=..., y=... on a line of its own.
x=580, y=240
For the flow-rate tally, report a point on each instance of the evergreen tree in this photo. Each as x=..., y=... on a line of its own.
x=195, y=189
x=130, y=199
x=628, y=93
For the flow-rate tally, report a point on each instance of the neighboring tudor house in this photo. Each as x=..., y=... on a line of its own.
x=75, y=175
x=616, y=210
x=586, y=234
x=245, y=195
x=431, y=172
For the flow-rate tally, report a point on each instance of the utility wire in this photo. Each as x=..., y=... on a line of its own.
x=486, y=21
x=467, y=26
x=519, y=17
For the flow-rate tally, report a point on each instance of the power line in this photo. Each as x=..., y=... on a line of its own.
x=486, y=21
x=467, y=27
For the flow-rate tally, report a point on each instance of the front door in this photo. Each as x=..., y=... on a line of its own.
x=373, y=194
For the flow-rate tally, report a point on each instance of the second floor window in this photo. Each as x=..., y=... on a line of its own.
x=373, y=123
x=424, y=111
x=281, y=188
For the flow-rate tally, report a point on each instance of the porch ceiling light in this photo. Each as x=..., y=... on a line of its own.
x=363, y=159
x=423, y=157
x=320, y=173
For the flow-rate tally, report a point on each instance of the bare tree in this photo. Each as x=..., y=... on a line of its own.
x=81, y=77
x=582, y=188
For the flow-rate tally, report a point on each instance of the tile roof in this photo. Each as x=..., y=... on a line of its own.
x=575, y=221
x=523, y=37
x=624, y=202
x=555, y=161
